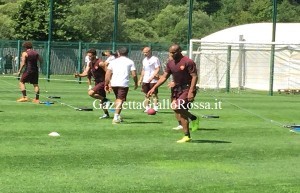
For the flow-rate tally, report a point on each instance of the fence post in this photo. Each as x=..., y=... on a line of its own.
x=18, y=54
x=48, y=61
x=79, y=69
x=228, y=69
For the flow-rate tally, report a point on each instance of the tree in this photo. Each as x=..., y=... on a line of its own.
x=6, y=30
x=6, y=24
x=147, y=9
x=139, y=30
x=209, y=6
x=94, y=21
x=288, y=12
x=171, y=24
x=32, y=20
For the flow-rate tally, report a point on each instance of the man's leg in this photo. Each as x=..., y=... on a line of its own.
x=118, y=105
x=37, y=93
x=146, y=103
x=185, y=126
x=179, y=127
x=23, y=91
x=121, y=94
x=155, y=102
x=99, y=93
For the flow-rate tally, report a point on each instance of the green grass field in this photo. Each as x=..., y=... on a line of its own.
x=242, y=151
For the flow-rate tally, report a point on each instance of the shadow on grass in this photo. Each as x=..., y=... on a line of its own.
x=165, y=112
x=141, y=122
x=1, y=111
x=209, y=141
x=203, y=129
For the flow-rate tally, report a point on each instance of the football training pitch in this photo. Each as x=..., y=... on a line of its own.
x=246, y=149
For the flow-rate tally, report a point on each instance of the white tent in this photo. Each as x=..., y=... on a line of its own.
x=258, y=33
x=246, y=52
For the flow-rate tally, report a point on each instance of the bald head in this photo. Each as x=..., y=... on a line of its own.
x=147, y=51
x=175, y=52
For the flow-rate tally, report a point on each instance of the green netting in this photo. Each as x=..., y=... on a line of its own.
x=68, y=57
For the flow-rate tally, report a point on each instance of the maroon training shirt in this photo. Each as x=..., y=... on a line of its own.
x=181, y=70
x=96, y=71
x=31, y=61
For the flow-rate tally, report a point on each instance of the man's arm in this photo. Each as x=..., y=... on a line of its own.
x=155, y=74
x=108, y=76
x=161, y=80
x=192, y=86
x=141, y=77
x=135, y=79
x=84, y=73
x=194, y=81
x=103, y=65
x=22, y=64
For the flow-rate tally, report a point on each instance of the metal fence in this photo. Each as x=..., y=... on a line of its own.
x=68, y=57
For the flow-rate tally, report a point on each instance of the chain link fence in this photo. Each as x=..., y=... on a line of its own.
x=68, y=57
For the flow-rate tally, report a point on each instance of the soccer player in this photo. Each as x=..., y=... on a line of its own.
x=184, y=73
x=110, y=56
x=96, y=70
x=86, y=64
x=117, y=76
x=149, y=77
x=29, y=60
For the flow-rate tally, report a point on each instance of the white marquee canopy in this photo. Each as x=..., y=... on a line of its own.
x=250, y=57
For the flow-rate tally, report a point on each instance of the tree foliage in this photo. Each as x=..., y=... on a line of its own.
x=32, y=20
x=160, y=21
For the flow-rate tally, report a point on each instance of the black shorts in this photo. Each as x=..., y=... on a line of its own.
x=147, y=86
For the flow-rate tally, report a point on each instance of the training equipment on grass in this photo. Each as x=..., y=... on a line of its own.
x=46, y=102
x=112, y=110
x=54, y=134
x=53, y=97
x=151, y=111
x=84, y=109
x=293, y=128
x=210, y=116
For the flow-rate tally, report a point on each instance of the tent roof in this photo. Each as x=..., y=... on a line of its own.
x=258, y=33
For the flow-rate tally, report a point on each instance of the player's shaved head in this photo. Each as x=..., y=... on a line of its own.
x=175, y=47
x=146, y=49
x=175, y=52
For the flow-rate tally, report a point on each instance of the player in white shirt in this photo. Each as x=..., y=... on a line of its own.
x=110, y=56
x=117, y=77
x=149, y=77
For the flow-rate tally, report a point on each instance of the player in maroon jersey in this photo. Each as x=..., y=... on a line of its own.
x=29, y=60
x=96, y=69
x=184, y=73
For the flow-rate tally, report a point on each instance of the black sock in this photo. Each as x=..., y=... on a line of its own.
x=187, y=134
x=193, y=117
x=24, y=93
x=179, y=122
x=37, y=95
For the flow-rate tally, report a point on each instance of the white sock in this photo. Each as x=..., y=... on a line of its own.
x=116, y=116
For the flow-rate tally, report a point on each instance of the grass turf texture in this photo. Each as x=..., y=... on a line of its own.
x=242, y=151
